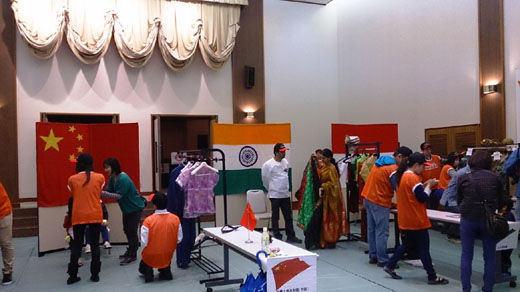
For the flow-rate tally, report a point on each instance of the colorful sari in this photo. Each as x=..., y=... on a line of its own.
x=334, y=219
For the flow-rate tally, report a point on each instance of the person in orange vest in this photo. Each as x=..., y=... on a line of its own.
x=160, y=234
x=86, y=186
x=431, y=171
x=6, y=236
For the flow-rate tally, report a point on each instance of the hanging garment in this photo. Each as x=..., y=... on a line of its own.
x=309, y=196
x=199, y=187
x=367, y=166
x=175, y=193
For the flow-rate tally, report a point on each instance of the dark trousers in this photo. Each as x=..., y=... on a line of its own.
x=147, y=271
x=420, y=239
x=453, y=230
x=285, y=205
x=130, y=225
x=183, y=251
x=76, y=245
x=469, y=231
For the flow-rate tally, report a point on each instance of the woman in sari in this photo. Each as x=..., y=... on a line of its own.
x=334, y=219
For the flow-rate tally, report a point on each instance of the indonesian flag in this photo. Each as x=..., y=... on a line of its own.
x=58, y=145
x=248, y=219
x=247, y=148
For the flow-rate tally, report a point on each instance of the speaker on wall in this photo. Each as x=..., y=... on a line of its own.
x=250, y=76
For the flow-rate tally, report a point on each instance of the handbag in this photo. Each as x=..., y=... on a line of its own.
x=496, y=224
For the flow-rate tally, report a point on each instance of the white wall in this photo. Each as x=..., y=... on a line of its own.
x=409, y=62
x=300, y=45
x=64, y=84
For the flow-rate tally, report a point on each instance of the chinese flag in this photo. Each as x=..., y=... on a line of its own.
x=248, y=219
x=284, y=271
x=58, y=145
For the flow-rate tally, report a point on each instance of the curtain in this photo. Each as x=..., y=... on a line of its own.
x=179, y=27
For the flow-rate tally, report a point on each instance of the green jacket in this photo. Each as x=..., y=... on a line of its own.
x=130, y=199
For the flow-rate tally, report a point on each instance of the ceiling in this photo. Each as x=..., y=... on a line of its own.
x=321, y=2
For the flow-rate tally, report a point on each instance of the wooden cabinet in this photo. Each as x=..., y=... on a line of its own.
x=455, y=138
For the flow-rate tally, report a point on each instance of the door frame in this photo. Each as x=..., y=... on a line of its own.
x=157, y=149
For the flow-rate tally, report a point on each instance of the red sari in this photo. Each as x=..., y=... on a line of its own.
x=334, y=222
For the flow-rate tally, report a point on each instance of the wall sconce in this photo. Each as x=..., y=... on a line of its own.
x=250, y=114
x=487, y=89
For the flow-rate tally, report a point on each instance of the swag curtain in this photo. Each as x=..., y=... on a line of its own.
x=179, y=26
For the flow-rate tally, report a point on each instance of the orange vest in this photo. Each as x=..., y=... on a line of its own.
x=445, y=178
x=378, y=188
x=411, y=213
x=86, y=207
x=162, y=239
x=433, y=170
x=5, y=203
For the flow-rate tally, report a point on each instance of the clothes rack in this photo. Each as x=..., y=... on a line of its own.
x=198, y=259
x=366, y=148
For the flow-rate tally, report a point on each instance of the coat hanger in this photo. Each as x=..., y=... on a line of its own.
x=203, y=164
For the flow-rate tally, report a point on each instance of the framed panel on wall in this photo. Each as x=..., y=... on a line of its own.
x=455, y=138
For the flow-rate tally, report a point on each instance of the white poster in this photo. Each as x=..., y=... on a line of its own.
x=287, y=274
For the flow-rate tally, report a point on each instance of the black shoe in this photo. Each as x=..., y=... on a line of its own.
x=382, y=265
x=127, y=260
x=72, y=280
x=125, y=255
x=372, y=261
x=165, y=276
x=278, y=236
x=7, y=280
x=392, y=273
x=294, y=239
x=94, y=278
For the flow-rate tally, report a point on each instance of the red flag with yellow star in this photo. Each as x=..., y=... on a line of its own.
x=58, y=145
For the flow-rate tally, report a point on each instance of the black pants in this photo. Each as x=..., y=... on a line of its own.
x=183, y=251
x=421, y=240
x=130, y=225
x=76, y=245
x=147, y=271
x=285, y=205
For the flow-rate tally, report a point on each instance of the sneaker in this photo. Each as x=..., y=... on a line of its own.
x=127, y=260
x=87, y=248
x=392, y=273
x=7, y=280
x=372, y=261
x=294, y=239
x=107, y=245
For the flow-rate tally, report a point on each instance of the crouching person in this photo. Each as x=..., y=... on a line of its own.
x=160, y=233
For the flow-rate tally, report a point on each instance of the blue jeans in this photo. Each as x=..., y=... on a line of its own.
x=377, y=230
x=469, y=231
x=421, y=240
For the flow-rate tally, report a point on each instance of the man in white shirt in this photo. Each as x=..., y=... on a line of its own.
x=275, y=177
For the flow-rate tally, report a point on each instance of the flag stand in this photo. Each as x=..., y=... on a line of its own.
x=248, y=232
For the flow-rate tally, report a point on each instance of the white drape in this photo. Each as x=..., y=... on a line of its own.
x=179, y=27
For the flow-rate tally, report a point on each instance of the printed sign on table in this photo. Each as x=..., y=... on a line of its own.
x=286, y=274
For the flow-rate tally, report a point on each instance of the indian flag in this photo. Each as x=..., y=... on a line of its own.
x=247, y=148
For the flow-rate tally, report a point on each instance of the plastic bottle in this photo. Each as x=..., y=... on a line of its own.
x=265, y=239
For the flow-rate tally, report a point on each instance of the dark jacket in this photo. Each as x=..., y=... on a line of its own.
x=478, y=186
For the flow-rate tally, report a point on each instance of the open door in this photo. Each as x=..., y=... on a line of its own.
x=157, y=152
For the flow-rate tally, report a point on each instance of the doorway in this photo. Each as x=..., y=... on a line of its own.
x=173, y=133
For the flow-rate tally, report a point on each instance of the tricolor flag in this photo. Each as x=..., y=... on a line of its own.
x=247, y=148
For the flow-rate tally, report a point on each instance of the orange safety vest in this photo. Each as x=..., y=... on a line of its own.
x=378, y=188
x=445, y=178
x=86, y=207
x=5, y=203
x=162, y=239
x=411, y=213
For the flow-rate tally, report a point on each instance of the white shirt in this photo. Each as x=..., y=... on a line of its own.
x=275, y=177
x=144, y=230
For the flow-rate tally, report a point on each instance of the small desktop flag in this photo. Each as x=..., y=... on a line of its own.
x=248, y=219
